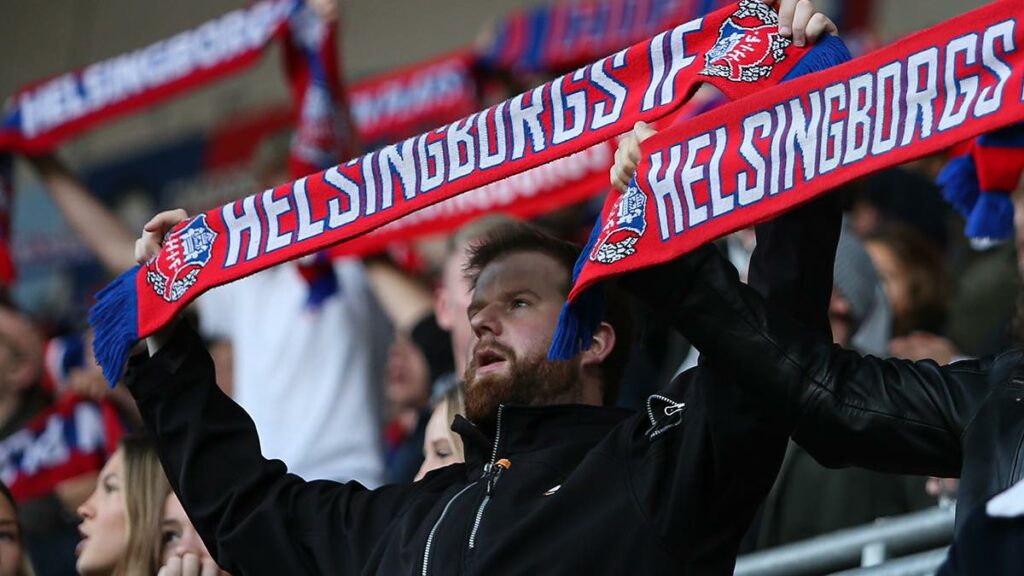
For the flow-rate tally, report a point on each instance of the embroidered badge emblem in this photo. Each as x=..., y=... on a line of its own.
x=626, y=223
x=186, y=251
x=748, y=46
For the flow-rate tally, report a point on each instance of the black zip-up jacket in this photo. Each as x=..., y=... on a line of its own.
x=962, y=420
x=559, y=490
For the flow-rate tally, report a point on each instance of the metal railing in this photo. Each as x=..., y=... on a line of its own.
x=868, y=545
x=922, y=564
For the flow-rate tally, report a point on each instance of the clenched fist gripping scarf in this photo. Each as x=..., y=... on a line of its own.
x=736, y=48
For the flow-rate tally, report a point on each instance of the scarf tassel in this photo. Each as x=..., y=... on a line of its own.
x=114, y=319
x=959, y=183
x=991, y=219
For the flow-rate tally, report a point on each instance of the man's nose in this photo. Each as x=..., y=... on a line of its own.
x=486, y=321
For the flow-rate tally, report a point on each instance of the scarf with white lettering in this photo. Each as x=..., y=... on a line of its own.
x=756, y=158
x=46, y=113
x=72, y=437
x=737, y=48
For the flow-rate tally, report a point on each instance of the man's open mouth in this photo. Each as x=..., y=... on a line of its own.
x=488, y=359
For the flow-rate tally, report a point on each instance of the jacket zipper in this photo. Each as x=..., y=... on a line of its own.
x=433, y=530
x=492, y=472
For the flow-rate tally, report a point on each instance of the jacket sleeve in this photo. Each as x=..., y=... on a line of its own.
x=890, y=415
x=254, y=517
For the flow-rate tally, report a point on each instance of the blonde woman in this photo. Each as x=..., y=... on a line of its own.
x=121, y=519
x=441, y=446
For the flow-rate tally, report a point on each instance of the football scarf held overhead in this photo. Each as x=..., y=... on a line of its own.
x=72, y=437
x=737, y=48
x=46, y=113
x=753, y=159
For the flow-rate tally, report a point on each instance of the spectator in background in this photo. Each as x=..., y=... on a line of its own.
x=122, y=516
x=14, y=558
x=133, y=525
x=914, y=278
x=442, y=446
x=52, y=441
x=306, y=362
x=181, y=549
x=809, y=499
x=901, y=195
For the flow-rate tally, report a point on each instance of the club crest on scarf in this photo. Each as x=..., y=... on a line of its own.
x=748, y=45
x=186, y=251
x=626, y=223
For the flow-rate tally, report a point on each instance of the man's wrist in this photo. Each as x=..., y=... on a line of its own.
x=158, y=339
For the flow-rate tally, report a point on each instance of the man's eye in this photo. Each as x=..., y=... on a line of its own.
x=8, y=535
x=519, y=303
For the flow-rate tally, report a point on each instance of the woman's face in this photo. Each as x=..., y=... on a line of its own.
x=177, y=535
x=104, y=525
x=895, y=280
x=438, y=451
x=10, y=540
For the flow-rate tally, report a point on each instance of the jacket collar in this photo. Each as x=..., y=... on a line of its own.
x=559, y=434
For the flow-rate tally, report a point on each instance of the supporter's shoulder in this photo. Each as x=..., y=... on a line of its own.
x=1007, y=365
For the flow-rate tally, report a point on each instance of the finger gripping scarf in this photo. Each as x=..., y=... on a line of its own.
x=758, y=157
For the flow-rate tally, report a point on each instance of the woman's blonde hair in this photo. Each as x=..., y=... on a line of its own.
x=454, y=402
x=145, y=491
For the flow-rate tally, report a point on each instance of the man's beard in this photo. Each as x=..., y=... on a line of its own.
x=526, y=382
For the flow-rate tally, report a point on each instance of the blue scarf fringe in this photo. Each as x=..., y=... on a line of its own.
x=992, y=218
x=114, y=318
x=959, y=183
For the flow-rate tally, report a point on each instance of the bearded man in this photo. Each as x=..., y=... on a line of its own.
x=556, y=480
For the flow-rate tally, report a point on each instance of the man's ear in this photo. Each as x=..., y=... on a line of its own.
x=442, y=311
x=601, y=345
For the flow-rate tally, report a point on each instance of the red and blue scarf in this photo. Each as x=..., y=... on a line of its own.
x=756, y=158
x=46, y=113
x=979, y=184
x=73, y=437
x=737, y=49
